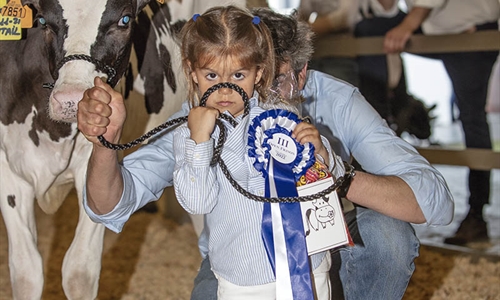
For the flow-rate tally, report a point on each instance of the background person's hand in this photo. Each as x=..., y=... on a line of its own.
x=396, y=39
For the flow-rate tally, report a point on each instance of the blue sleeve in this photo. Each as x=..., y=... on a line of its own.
x=146, y=173
x=375, y=146
x=344, y=116
x=195, y=181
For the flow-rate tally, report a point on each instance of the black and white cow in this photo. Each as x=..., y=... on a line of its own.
x=42, y=155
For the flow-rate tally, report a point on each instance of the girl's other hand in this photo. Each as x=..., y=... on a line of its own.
x=201, y=123
x=307, y=133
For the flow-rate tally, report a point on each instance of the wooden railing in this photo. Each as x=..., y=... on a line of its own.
x=478, y=159
x=345, y=45
x=348, y=46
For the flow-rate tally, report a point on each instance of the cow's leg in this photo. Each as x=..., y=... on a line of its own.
x=82, y=262
x=17, y=206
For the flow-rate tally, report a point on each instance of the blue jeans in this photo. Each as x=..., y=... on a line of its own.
x=379, y=266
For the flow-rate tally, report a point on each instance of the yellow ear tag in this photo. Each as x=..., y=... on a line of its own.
x=10, y=28
x=15, y=10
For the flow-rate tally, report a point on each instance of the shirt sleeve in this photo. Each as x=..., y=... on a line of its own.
x=146, y=173
x=336, y=166
x=379, y=11
x=375, y=146
x=426, y=3
x=195, y=181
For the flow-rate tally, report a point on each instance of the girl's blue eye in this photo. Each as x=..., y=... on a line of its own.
x=124, y=21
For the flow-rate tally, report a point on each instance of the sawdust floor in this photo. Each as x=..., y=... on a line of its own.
x=156, y=258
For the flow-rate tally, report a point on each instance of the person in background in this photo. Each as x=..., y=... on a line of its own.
x=469, y=73
x=430, y=17
x=380, y=78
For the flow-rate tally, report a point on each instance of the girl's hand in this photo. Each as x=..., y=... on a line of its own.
x=307, y=133
x=201, y=123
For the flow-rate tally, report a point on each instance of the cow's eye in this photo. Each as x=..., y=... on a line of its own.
x=42, y=21
x=124, y=21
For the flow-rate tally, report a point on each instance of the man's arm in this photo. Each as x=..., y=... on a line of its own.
x=396, y=38
x=395, y=180
x=104, y=181
x=102, y=112
x=399, y=182
x=388, y=195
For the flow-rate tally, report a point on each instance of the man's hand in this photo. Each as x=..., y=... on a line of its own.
x=101, y=112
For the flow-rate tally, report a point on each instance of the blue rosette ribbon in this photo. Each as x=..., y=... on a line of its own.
x=282, y=161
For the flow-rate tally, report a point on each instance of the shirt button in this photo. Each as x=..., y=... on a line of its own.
x=197, y=156
x=192, y=179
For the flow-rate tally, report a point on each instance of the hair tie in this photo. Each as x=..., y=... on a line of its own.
x=256, y=20
x=195, y=16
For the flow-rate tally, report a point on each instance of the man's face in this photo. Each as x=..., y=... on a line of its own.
x=288, y=82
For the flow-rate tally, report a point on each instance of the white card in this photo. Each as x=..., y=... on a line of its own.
x=324, y=223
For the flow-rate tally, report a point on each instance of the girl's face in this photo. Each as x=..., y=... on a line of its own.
x=226, y=69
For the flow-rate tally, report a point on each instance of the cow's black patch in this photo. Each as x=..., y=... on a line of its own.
x=155, y=61
x=11, y=200
x=26, y=65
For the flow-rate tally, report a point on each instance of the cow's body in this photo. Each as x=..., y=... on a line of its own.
x=42, y=155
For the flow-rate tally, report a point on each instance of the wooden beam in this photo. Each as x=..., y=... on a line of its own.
x=348, y=46
x=478, y=159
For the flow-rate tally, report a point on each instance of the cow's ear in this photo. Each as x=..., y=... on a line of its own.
x=33, y=3
x=141, y=4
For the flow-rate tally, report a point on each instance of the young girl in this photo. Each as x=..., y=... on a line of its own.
x=228, y=44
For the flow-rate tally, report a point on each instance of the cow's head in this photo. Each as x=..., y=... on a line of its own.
x=84, y=39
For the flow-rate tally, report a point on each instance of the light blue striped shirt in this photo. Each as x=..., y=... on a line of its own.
x=232, y=221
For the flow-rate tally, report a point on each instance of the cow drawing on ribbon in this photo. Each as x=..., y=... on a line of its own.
x=319, y=216
x=42, y=155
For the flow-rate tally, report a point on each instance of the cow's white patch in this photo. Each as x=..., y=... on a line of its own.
x=76, y=76
x=76, y=13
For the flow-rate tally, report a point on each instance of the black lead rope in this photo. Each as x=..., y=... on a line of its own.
x=171, y=123
x=218, y=148
x=99, y=66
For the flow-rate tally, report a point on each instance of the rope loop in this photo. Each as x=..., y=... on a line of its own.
x=110, y=71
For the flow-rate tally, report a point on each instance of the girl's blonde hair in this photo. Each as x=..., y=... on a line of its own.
x=227, y=31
